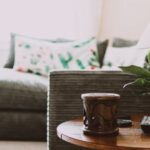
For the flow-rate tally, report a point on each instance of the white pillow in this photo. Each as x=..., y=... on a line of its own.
x=140, y=57
x=115, y=57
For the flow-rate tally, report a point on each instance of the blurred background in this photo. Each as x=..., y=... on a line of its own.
x=74, y=19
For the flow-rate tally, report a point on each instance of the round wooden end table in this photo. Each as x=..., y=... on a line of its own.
x=128, y=138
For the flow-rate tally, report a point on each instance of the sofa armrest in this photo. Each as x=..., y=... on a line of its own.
x=64, y=102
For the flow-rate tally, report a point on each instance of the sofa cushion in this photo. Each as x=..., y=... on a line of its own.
x=22, y=91
x=120, y=42
x=9, y=63
x=23, y=125
x=124, y=56
x=39, y=57
x=119, y=57
x=11, y=54
x=101, y=47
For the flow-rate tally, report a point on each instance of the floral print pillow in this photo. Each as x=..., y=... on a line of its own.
x=40, y=57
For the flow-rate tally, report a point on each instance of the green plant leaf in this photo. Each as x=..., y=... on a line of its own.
x=140, y=82
x=136, y=70
x=148, y=57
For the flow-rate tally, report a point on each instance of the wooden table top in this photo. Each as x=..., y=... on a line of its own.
x=128, y=138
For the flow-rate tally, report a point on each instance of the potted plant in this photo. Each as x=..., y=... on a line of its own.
x=142, y=74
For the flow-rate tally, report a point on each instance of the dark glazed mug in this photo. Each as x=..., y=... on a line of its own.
x=100, y=113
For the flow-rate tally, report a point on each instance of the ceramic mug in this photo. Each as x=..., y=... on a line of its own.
x=100, y=113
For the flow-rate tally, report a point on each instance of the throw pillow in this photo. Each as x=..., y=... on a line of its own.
x=4, y=52
x=124, y=57
x=101, y=47
x=9, y=63
x=120, y=42
x=10, y=60
x=39, y=57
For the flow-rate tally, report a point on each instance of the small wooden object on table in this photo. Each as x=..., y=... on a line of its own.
x=131, y=138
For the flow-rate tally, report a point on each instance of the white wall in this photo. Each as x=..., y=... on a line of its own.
x=50, y=18
x=74, y=18
x=124, y=18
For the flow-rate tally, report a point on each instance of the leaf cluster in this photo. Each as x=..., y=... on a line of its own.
x=142, y=74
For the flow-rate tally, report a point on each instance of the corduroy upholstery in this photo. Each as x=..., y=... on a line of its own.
x=22, y=106
x=64, y=102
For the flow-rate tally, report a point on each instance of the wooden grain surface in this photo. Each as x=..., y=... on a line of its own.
x=128, y=138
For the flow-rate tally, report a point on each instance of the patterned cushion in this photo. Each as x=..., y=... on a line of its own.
x=39, y=56
x=9, y=62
